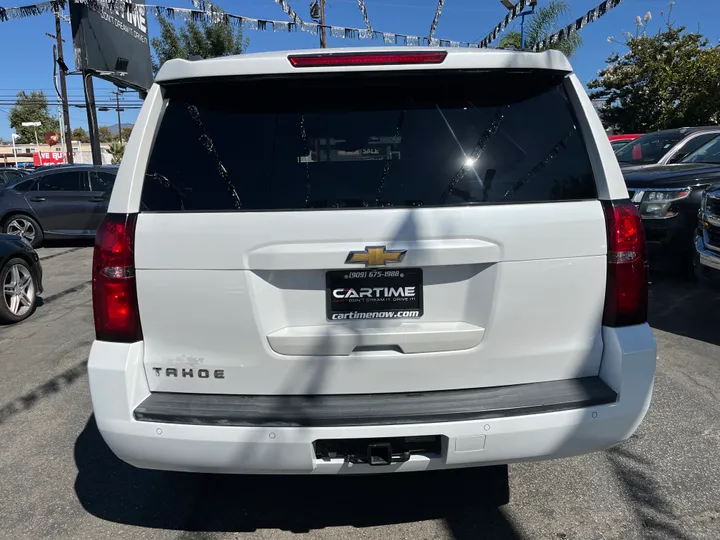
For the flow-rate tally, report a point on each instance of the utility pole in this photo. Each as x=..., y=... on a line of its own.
x=118, y=109
x=323, y=36
x=63, y=87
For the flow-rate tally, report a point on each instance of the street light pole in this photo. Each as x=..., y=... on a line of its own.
x=33, y=125
x=15, y=136
x=510, y=6
x=93, y=130
x=118, y=109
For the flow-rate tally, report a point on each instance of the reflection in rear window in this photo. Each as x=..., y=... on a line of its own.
x=367, y=141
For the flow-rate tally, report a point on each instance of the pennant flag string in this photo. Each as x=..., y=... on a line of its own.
x=30, y=11
x=342, y=32
x=361, y=5
x=294, y=17
x=206, y=11
x=513, y=14
x=436, y=19
x=591, y=16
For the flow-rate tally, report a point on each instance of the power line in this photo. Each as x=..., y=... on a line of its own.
x=81, y=104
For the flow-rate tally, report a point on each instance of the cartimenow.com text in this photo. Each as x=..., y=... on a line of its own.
x=376, y=315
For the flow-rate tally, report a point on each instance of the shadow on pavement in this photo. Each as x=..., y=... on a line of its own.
x=112, y=490
x=53, y=386
x=638, y=480
x=684, y=308
x=44, y=300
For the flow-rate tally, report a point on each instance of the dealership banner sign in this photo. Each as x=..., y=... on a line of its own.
x=40, y=159
x=48, y=158
x=111, y=41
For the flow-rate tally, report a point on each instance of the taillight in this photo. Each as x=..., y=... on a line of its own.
x=115, y=303
x=626, y=295
x=366, y=59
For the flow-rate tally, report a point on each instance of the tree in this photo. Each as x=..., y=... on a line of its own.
x=79, y=134
x=32, y=107
x=205, y=39
x=544, y=22
x=126, y=131
x=106, y=134
x=669, y=79
x=117, y=150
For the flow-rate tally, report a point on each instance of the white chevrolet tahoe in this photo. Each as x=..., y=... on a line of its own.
x=368, y=260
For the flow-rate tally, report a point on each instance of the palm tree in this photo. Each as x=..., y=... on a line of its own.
x=117, y=149
x=542, y=24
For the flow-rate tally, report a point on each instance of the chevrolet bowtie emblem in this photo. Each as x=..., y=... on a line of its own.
x=376, y=256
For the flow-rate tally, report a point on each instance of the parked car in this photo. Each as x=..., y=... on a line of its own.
x=7, y=174
x=669, y=196
x=21, y=278
x=432, y=263
x=707, y=239
x=60, y=202
x=664, y=147
x=618, y=141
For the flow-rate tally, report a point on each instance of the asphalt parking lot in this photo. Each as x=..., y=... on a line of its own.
x=58, y=479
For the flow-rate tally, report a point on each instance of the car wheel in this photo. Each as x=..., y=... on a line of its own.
x=25, y=227
x=19, y=291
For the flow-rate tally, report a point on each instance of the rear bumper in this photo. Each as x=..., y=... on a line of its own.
x=118, y=386
x=375, y=409
x=707, y=265
x=707, y=258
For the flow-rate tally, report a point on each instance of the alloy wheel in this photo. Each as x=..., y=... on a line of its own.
x=22, y=228
x=18, y=290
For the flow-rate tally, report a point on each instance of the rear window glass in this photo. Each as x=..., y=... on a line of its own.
x=367, y=141
x=24, y=186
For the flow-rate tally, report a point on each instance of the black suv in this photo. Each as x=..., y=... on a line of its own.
x=668, y=197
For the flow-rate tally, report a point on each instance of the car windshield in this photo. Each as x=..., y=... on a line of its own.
x=617, y=145
x=649, y=148
x=707, y=153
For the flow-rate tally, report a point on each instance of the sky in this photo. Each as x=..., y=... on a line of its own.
x=26, y=52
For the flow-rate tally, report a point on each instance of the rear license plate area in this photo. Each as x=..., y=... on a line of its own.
x=374, y=294
x=378, y=451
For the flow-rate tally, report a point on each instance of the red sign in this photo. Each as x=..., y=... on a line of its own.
x=51, y=138
x=48, y=158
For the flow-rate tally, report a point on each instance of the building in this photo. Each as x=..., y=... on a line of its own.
x=81, y=152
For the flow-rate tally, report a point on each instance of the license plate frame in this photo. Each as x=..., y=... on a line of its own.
x=400, y=295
